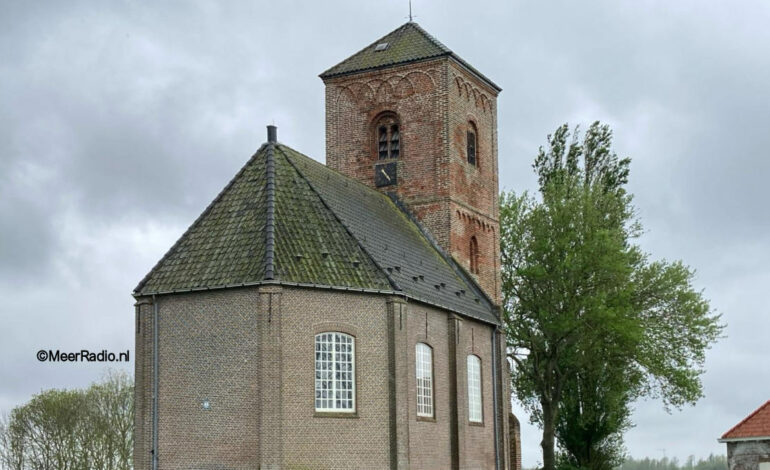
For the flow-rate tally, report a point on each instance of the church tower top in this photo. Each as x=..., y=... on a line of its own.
x=406, y=44
x=407, y=116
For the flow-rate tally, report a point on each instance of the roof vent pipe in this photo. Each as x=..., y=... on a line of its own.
x=272, y=134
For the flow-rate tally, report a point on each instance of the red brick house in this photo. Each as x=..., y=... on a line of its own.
x=748, y=442
x=342, y=316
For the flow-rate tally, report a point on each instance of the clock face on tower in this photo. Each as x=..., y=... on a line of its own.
x=385, y=174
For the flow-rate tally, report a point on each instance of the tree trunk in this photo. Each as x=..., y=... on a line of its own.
x=549, y=431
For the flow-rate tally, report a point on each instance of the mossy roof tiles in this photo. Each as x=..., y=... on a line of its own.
x=329, y=231
x=407, y=43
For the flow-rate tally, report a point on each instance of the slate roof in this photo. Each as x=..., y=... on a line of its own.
x=755, y=425
x=407, y=43
x=287, y=219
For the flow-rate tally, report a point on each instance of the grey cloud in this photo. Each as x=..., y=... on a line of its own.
x=128, y=117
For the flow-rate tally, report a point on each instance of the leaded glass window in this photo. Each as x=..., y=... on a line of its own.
x=335, y=372
x=424, y=370
x=474, y=389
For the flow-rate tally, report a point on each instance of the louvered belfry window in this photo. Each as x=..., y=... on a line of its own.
x=388, y=137
x=382, y=143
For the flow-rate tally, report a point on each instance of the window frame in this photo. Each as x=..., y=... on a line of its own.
x=472, y=130
x=352, y=410
x=474, y=418
x=471, y=149
x=390, y=123
x=473, y=254
x=419, y=365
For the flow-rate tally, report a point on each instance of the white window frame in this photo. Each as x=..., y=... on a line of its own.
x=332, y=341
x=475, y=400
x=423, y=367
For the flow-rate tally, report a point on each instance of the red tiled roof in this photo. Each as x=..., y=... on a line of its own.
x=757, y=424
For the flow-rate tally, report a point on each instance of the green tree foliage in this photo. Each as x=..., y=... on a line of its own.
x=591, y=323
x=593, y=414
x=72, y=429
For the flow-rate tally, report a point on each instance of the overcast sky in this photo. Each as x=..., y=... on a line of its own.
x=121, y=120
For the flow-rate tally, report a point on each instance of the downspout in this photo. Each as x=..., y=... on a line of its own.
x=495, y=398
x=155, y=361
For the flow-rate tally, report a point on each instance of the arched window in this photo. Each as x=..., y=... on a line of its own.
x=470, y=141
x=474, y=389
x=388, y=137
x=473, y=253
x=335, y=377
x=423, y=355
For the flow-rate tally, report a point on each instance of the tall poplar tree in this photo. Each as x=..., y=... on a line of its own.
x=580, y=297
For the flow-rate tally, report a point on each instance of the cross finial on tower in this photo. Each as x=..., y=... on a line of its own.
x=410, y=10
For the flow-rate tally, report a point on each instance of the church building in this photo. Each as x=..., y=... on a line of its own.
x=347, y=315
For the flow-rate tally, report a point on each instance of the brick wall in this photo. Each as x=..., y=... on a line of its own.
x=314, y=440
x=208, y=344
x=436, y=101
x=250, y=352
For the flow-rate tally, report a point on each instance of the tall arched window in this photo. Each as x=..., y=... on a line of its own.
x=470, y=140
x=424, y=368
x=474, y=389
x=473, y=252
x=335, y=376
x=388, y=136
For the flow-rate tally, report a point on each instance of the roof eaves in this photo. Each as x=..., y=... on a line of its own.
x=192, y=226
x=743, y=439
x=326, y=75
x=265, y=282
x=390, y=279
x=278, y=282
x=475, y=72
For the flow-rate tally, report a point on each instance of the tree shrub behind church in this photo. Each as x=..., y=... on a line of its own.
x=72, y=429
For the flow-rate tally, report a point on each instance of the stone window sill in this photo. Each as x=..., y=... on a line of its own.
x=335, y=414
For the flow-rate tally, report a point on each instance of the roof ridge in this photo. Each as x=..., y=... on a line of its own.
x=270, y=213
x=198, y=220
x=396, y=32
x=325, y=72
x=432, y=39
x=747, y=418
x=449, y=259
x=390, y=279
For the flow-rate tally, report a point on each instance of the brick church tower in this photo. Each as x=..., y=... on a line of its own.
x=408, y=116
